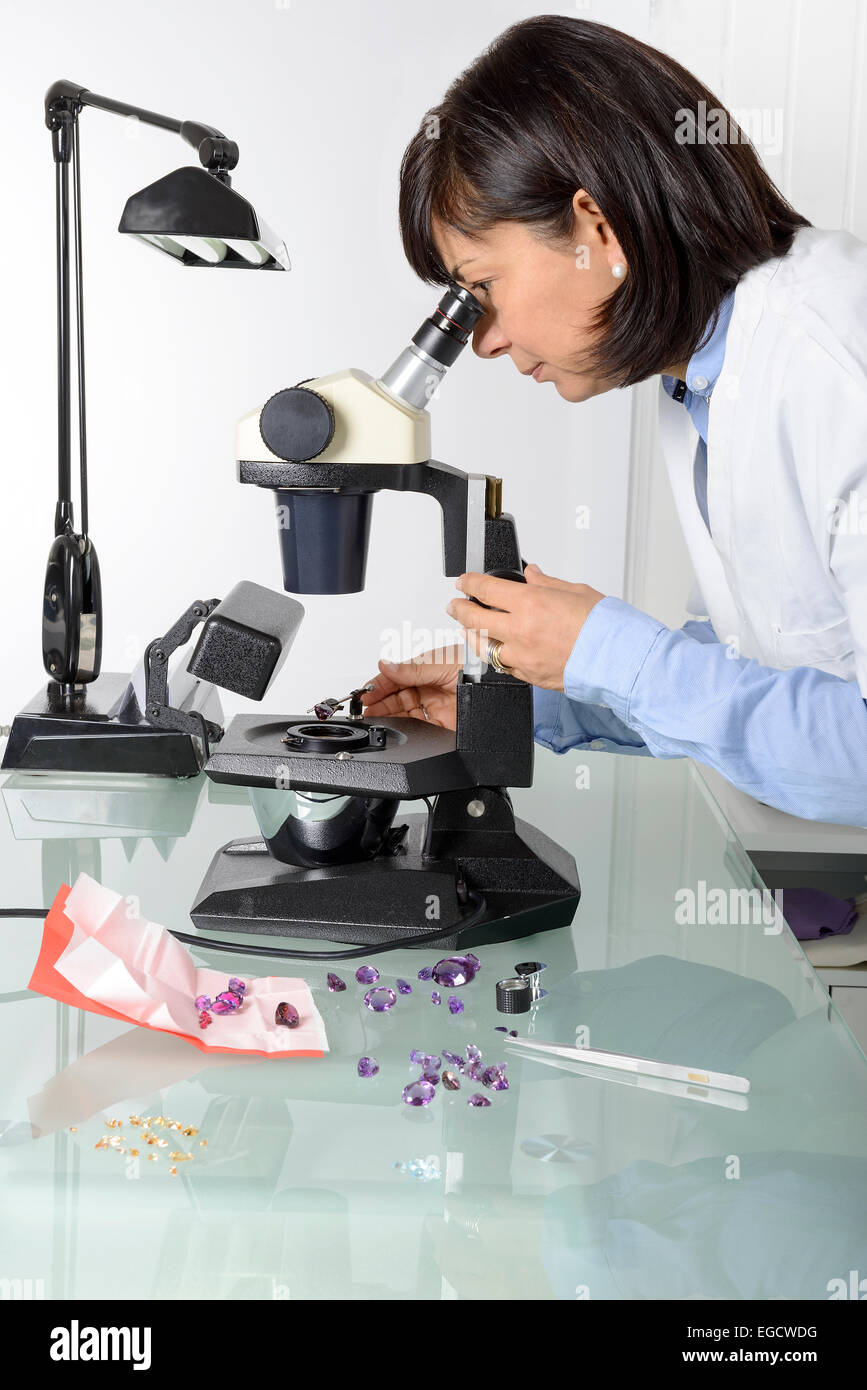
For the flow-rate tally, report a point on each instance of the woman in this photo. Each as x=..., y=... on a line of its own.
x=565, y=182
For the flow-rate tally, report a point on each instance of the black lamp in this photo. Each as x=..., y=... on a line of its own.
x=85, y=721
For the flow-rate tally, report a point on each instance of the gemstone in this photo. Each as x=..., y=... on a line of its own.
x=426, y=972
x=474, y=1054
x=455, y=1060
x=205, y=1019
x=435, y=997
x=430, y=1075
x=403, y=987
x=478, y=1100
x=287, y=1014
x=495, y=1077
x=450, y=1081
x=367, y=974
x=335, y=984
x=226, y=1003
x=419, y=1092
x=237, y=986
x=431, y=1062
x=513, y=1032
x=476, y=962
x=474, y=1070
x=455, y=970
x=416, y=1056
x=203, y=1002
x=380, y=999
x=455, y=1005
x=367, y=1066
x=501, y=1030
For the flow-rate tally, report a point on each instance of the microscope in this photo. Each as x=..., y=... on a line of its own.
x=336, y=858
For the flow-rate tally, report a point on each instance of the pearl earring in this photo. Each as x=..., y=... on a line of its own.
x=618, y=270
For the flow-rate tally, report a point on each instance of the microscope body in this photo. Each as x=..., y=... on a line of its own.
x=324, y=448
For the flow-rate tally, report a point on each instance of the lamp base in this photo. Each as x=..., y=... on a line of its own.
x=102, y=729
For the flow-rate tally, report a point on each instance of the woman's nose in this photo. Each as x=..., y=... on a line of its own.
x=489, y=340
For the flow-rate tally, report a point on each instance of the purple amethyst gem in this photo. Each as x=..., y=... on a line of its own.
x=433, y=1063
x=335, y=984
x=367, y=974
x=501, y=1030
x=453, y=971
x=416, y=1056
x=367, y=1066
x=495, y=1077
x=450, y=1081
x=476, y=962
x=478, y=1100
x=419, y=1092
x=380, y=999
x=287, y=1015
x=403, y=987
x=435, y=997
x=455, y=1060
x=455, y=1005
x=426, y=972
x=513, y=1032
x=202, y=1002
x=430, y=1075
x=474, y=1054
x=226, y=1003
x=474, y=1070
x=237, y=986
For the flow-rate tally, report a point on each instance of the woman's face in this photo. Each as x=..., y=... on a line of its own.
x=539, y=301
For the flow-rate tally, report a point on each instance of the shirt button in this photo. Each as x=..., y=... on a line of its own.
x=598, y=743
x=698, y=383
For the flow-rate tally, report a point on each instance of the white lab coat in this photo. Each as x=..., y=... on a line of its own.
x=784, y=575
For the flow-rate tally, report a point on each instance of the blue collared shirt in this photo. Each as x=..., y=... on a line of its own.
x=795, y=739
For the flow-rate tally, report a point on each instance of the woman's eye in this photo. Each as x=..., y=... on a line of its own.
x=480, y=285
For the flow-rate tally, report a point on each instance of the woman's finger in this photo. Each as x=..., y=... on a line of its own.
x=470, y=615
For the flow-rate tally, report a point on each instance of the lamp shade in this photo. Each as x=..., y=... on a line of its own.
x=200, y=220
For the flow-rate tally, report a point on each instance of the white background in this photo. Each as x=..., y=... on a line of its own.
x=322, y=97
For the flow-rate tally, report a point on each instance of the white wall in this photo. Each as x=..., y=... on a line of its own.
x=322, y=97
x=802, y=63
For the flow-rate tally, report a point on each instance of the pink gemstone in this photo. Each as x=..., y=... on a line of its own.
x=287, y=1015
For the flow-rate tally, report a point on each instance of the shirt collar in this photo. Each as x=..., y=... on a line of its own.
x=705, y=365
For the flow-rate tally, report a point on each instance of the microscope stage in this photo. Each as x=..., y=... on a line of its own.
x=418, y=759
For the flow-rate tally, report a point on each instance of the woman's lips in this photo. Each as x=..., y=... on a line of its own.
x=537, y=370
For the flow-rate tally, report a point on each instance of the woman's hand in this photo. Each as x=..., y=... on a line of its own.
x=538, y=622
x=430, y=680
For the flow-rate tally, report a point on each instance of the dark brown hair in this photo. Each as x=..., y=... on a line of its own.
x=555, y=104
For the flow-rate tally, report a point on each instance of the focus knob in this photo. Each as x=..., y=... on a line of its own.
x=297, y=424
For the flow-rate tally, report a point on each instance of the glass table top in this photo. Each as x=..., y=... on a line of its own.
x=575, y=1183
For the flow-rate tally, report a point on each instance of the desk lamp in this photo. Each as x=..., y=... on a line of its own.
x=84, y=721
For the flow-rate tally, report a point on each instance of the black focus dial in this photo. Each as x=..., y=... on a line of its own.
x=297, y=424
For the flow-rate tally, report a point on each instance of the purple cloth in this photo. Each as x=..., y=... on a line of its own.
x=813, y=914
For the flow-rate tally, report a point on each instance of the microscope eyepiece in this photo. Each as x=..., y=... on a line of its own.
x=415, y=375
x=447, y=331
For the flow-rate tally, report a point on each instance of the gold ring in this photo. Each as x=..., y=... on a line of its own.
x=494, y=649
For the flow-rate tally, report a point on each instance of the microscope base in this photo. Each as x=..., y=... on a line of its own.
x=530, y=884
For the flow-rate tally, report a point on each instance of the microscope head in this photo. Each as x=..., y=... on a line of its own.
x=342, y=437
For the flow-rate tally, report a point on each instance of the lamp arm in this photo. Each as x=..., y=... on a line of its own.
x=216, y=152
